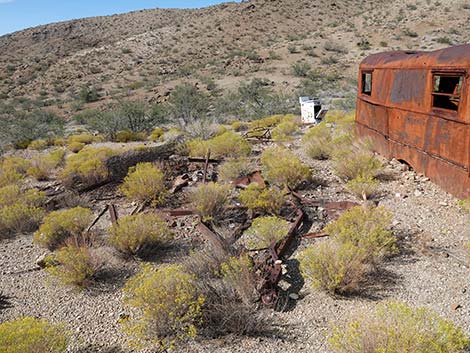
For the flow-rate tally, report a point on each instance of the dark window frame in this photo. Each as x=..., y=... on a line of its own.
x=364, y=76
x=448, y=101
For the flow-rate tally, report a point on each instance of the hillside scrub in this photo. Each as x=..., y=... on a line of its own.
x=283, y=168
x=60, y=225
x=398, y=327
x=145, y=182
x=42, y=165
x=210, y=200
x=266, y=230
x=166, y=304
x=12, y=170
x=228, y=144
x=28, y=335
x=20, y=211
x=137, y=234
x=264, y=200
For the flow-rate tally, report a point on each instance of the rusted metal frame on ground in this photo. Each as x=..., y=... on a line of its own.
x=203, y=160
x=98, y=218
x=213, y=237
x=139, y=208
x=206, y=166
x=179, y=183
x=113, y=213
x=254, y=177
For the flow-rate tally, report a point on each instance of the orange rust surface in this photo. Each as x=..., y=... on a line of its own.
x=399, y=114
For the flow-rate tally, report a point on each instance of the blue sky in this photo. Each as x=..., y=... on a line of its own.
x=19, y=14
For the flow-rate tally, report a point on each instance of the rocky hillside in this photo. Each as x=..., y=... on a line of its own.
x=143, y=54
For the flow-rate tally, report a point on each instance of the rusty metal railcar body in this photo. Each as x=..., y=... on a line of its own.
x=416, y=108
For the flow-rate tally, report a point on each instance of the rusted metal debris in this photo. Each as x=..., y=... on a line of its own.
x=97, y=218
x=258, y=134
x=179, y=183
x=414, y=107
x=113, y=213
x=244, y=181
x=333, y=209
x=215, y=239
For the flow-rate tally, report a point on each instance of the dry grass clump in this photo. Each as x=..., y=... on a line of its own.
x=317, y=141
x=32, y=335
x=167, y=307
x=237, y=273
x=210, y=200
x=283, y=168
x=228, y=144
x=363, y=187
x=87, y=167
x=145, y=182
x=397, y=327
x=266, y=230
x=20, y=211
x=12, y=170
x=137, y=234
x=74, y=264
x=358, y=240
x=43, y=165
x=265, y=200
x=235, y=168
x=60, y=225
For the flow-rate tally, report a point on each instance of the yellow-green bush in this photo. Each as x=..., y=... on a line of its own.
x=266, y=230
x=166, y=304
x=464, y=205
x=128, y=136
x=42, y=165
x=239, y=126
x=20, y=211
x=31, y=335
x=317, y=141
x=238, y=274
x=363, y=187
x=351, y=163
x=398, y=327
x=145, y=182
x=358, y=240
x=229, y=144
x=266, y=122
x=135, y=235
x=234, y=168
x=157, y=134
x=74, y=265
x=87, y=166
x=60, y=225
x=12, y=170
x=283, y=168
x=75, y=147
x=84, y=138
x=260, y=199
x=38, y=145
x=284, y=131
x=210, y=200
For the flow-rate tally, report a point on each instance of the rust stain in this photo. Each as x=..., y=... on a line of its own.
x=418, y=112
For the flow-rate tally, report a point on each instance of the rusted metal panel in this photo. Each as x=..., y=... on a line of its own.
x=406, y=119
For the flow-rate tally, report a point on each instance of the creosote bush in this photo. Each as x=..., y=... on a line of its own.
x=20, y=211
x=235, y=168
x=283, y=168
x=12, y=170
x=352, y=163
x=31, y=335
x=167, y=306
x=266, y=230
x=210, y=200
x=145, y=182
x=358, y=241
x=259, y=199
x=284, y=130
x=136, y=234
x=398, y=327
x=60, y=225
x=74, y=265
x=228, y=144
x=87, y=166
x=42, y=165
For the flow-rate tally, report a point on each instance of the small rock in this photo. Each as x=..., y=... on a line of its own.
x=294, y=296
x=464, y=290
x=418, y=193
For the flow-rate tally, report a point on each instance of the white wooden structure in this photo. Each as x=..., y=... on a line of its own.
x=311, y=110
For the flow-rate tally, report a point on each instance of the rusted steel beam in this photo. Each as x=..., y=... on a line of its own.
x=315, y=235
x=284, y=244
x=98, y=218
x=203, y=160
x=334, y=209
x=206, y=165
x=113, y=213
x=179, y=212
x=244, y=181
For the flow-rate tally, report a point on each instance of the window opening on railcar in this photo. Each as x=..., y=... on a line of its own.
x=446, y=91
x=367, y=83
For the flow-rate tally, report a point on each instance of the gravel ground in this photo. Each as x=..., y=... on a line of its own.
x=431, y=270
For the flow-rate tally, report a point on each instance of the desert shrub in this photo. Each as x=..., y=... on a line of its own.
x=136, y=234
x=237, y=273
x=75, y=147
x=397, y=327
x=229, y=144
x=145, y=182
x=60, y=225
x=365, y=228
x=210, y=200
x=87, y=166
x=234, y=168
x=38, y=145
x=12, y=170
x=352, y=163
x=84, y=138
x=239, y=125
x=187, y=104
x=334, y=267
x=166, y=303
x=74, y=265
x=464, y=205
x=28, y=335
x=157, y=134
x=317, y=142
x=284, y=130
x=20, y=211
x=266, y=230
x=266, y=122
x=283, y=168
x=260, y=199
x=363, y=186
x=301, y=69
x=42, y=165
x=128, y=136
